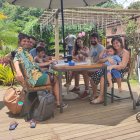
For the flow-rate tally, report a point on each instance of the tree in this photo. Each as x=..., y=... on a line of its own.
x=110, y=4
x=134, y=5
x=18, y=20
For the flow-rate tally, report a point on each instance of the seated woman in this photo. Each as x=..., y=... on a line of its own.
x=122, y=67
x=36, y=77
x=111, y=52
x=80, y=53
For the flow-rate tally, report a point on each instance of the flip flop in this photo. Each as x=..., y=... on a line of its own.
x=32, y=124
x=13, y=125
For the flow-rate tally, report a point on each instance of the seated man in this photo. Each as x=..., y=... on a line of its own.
x=36, y=77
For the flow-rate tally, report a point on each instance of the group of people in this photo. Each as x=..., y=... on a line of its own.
x=36, y=63
x=115, y=56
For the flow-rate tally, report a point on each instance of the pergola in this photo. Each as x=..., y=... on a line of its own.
x=101, y=17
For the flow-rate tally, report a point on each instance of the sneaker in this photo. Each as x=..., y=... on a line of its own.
x=64, y=105
x=84, y=95
x=75, y=89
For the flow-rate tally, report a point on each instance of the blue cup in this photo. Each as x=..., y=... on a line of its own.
x=71, y=63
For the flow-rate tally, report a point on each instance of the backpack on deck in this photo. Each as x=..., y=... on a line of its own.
x=45, y=107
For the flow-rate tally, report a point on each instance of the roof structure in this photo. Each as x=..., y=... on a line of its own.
x=87, y=15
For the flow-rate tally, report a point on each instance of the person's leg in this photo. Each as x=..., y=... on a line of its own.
x=71, y=75
x=109, y=78
x=100, y=98
x=117, y=75
x=70, y=50
x=55, y=88
x=86, y=82
x=118, y=80
x=76, y=78
x=94, y=89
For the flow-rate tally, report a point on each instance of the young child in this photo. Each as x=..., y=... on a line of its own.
x=42, y=57
x=110, y=52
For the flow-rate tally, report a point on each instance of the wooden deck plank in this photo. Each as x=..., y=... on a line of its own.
x=80, y=121
x=127, y=136
x=102, y=132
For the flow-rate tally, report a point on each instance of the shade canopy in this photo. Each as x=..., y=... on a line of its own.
x=54, y=4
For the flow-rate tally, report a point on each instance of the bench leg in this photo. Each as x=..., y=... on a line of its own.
x=130, y=90
x=112, y=93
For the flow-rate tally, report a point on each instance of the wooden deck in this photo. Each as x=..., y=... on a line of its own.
x=80, y=121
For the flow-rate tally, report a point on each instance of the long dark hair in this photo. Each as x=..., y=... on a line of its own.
x=76, y=47
x=118, y=38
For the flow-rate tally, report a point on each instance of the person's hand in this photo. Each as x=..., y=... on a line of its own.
x=54, y=62
x=20, y=77
x=110, y=60
x=109, y=68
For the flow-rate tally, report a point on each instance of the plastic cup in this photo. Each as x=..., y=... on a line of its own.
x=20, y=103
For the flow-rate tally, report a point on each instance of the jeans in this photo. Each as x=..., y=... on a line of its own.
x=70, y=50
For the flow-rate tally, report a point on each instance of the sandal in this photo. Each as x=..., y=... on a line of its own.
x=13, y=125
x=32, y=124
x=96, y=101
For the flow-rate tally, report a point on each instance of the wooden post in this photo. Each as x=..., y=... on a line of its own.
x=56, y=37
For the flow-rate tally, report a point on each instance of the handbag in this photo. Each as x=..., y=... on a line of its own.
x=14, y=100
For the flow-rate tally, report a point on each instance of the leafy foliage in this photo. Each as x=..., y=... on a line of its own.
x=110, y=4
x=6, y=75
x=131, y=28
x=134, y=5
x=18, y=19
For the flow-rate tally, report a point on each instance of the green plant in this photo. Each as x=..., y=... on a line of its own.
x=6, y=75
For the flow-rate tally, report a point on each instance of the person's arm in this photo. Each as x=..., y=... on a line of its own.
x=85, y=52
x=123, y=63
x=36, y=59
x=45, y=63
x=101, y=54
x=102, y=60
x=19, y=75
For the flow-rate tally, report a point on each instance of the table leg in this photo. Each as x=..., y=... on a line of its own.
x=67, y=82
x=60, y=90
x=105, y=85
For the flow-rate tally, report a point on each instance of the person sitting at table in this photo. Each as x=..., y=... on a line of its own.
x=80, y=53
x=42, y=57
x=94, y=52
x=110, y=52
x=122, y=67
x=36, y=77
x=33, y=51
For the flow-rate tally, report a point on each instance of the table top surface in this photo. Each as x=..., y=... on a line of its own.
x=79, y=66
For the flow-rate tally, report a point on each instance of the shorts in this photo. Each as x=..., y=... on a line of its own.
x=42, y=80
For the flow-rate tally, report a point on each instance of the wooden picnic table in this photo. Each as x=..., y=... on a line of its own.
x=80, y=67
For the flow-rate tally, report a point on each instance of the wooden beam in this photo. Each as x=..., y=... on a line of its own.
x=56, y=37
